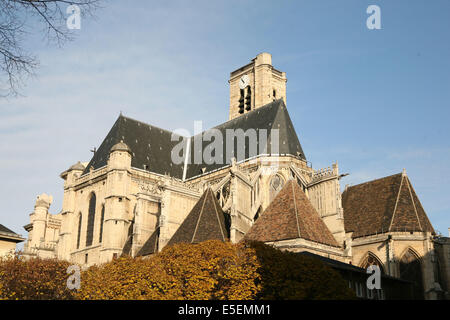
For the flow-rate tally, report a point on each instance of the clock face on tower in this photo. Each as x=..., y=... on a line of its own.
x=244, y=81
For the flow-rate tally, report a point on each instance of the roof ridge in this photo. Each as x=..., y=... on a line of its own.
x=265, y=106
x=199, y=217
x=421, y=210
x=370, y=181
x=414, y=205
x=296, y=210
x=396, y=202
x=217, y=215
x=201, y=133
x=7, y=230
x=149, y=125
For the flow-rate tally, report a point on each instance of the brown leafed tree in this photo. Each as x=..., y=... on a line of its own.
x=22, y=19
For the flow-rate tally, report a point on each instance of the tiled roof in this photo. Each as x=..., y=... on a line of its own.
x=383, y=205
x=152, y=147
x=291, y=216
x=206, y=221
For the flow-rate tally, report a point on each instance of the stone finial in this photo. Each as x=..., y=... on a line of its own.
x=404, y=172
x=44, y=200
x=233, y=162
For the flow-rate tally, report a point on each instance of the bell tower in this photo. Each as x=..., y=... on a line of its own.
x=255, y=84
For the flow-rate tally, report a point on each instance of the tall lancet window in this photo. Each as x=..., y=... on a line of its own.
x=102, y=218
x=248, y=99
x=371, y=259
x=241, y=102
x=80, y=220
x=91, y=219
x=411, y=270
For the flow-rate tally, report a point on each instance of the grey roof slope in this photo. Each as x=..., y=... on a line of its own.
x=206, y=221
x=9, y=233
x=152, y=146
x=151, y=245
x=6, y=230
x=149, y=145
x=270, y=116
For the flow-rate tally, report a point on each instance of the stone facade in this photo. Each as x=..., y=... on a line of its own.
x=122, y=199
x=265, y=85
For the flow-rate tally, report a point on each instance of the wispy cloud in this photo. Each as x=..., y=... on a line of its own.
x=168, y=63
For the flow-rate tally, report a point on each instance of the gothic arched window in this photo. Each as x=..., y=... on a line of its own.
x=80, y=220
x=370, y=260
x=102, y=218
x=91, y=219
x=411, y=270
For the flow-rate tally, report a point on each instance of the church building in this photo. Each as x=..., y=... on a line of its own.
x=133, y=199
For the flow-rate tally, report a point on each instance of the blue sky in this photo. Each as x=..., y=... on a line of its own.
x=375, y=100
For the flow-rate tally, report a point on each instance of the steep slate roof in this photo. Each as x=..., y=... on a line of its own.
x=206, y=221
x=149, y=145
x=383, y=205
x=152, y=146
x=270, y=116
x=151, y=245
x=291, y=216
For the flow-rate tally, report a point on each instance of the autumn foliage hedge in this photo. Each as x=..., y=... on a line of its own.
x=34, y=279
x=208, y=270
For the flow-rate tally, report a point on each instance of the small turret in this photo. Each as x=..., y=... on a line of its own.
x=39, y=219
x=117, y=202
x=120, y=156
x=77, y=167
x=71, y=174
x=43, y=201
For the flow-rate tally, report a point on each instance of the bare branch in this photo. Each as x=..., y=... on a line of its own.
x=18, y=20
